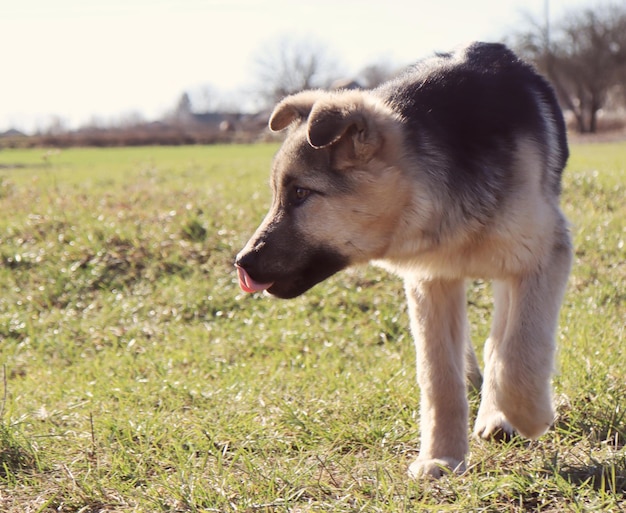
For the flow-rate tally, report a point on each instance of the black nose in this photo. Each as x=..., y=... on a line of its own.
x=246, y=260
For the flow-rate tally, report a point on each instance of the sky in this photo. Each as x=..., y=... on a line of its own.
x=81, y=61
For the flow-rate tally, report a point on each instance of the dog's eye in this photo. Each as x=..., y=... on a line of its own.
x=300, y=194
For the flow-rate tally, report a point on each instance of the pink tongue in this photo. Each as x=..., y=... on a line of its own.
x=247, y=284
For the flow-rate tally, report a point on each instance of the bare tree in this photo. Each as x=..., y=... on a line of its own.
x=288, y=65
x=584, y=56
x=590, y=61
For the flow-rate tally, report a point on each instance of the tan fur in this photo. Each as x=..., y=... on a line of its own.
x=392, y=215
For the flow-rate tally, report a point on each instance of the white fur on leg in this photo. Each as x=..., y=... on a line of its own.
x=439, y=326
x=490, y=421
x=435, y=468
x=517, y=392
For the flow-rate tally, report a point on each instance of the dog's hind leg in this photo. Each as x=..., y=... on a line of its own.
x=439, y=326
x=491, y=422
x=519, y=355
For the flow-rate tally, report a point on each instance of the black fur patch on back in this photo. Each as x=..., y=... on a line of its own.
x=470, y=107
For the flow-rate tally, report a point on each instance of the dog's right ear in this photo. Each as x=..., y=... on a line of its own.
x=296, y=106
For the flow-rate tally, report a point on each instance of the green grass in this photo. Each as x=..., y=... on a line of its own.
x=138, y=378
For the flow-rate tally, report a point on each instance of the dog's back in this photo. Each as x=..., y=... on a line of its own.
x=471, y=107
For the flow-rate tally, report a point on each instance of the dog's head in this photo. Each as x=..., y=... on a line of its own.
x=337, y=192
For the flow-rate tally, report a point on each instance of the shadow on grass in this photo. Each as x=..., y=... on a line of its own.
x=606, y=476
x=15, y=456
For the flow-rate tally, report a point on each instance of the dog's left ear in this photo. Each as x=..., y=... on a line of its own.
x=292, y=108
x=333, y=120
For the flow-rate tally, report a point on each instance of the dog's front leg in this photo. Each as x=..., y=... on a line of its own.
x=519, y=354
x=439, y=327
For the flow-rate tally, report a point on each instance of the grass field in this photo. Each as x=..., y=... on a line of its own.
x=136, y=377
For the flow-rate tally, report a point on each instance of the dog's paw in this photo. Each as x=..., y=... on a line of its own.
x=494, y=426
x=435, y=468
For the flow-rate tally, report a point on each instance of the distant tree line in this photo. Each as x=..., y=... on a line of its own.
x=583, y=54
